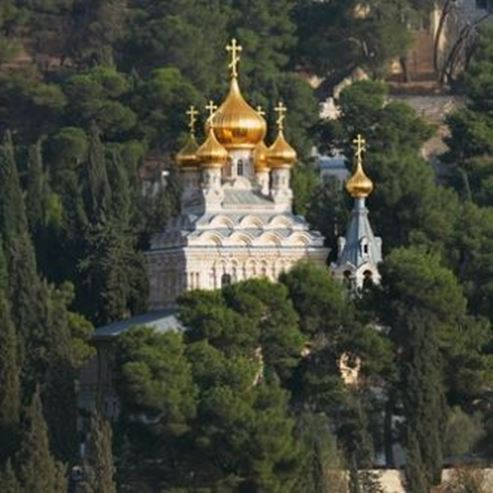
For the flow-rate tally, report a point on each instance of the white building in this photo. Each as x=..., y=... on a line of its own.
x=237, y=220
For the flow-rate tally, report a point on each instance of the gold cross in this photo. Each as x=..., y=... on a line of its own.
x=235, y=49
x=281, y=111
x=260, y=111
x=192, y=113
x=360, y=144
x=211, y=107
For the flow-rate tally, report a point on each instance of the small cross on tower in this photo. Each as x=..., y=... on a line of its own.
x=235, y=49
x=360, y=144
x=211, y=108
x=260, y=110
x=281, y=111
x=192, y=113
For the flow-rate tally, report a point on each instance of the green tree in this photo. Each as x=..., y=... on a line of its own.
x=98, y=26
x=425, y=404
x=173, y=33
x=10, y=391
x=99, y=469
x=39, y=472
x=336, y=37
x=156, y=379
x=8, y=479
x=32, y=106
x=98, y=96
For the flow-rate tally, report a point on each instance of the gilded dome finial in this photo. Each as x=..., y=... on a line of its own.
x=281, y=110
x=235, y=49
x=260, y=110
x=187, y=156
x=192, y=114
x=211, y=108
x=359, y=186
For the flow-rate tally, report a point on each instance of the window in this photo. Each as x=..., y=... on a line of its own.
x=225, y=280
x=482, y=4
x=240, y=169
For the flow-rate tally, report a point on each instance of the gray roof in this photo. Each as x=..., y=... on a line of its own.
x=161, y=320
x=358, y=229
x=244, y=197
x=332, y=162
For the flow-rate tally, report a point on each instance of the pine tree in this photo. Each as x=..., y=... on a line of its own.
x=10, y=393
x=99, y=469
x=39, y=472
x=8, y=480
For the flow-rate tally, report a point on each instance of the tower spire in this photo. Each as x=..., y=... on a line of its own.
x=360, y=251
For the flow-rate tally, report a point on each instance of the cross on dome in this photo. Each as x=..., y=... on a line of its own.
x=192, y=113
x=260, y=110
x=235, y=49
x=360, y=144
x=211, y=108
x=281, y=111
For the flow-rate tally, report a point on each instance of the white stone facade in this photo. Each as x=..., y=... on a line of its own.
x=235, y=224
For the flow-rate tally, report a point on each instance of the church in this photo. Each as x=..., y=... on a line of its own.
x=236, y=219
x=236, y=223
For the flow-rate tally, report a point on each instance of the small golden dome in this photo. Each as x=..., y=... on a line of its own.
x=236, y=124
x=260, y=157
x=359, y=186
x=211, y=154
x=187, y=157
x=281, y=154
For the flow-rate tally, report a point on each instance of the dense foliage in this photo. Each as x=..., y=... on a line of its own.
x=251, y=397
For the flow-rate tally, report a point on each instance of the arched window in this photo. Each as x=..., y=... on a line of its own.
x=225, y=280
x=367, y=278
x=240, y=168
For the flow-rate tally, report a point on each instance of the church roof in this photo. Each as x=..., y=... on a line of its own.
x=244, y=197
x=161, y=320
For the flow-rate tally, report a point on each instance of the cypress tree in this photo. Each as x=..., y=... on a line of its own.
x=425, y=405
x=10, y=393
x=8, y=480
x=98, y=192
x=27, y=305
x=39, y=472
x=35, y=190
x=98, y=464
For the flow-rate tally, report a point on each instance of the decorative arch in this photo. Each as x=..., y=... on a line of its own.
x=269, y=239
x=221, y=221
x=240, y=238
x=211, y=239
x=251, y=221
x=281, y=221
x=299, y=239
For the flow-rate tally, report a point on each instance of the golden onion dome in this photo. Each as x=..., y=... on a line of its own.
x=236, y=124
x=281, y=154
x=187, y=157
x=260, y=157
x=211, y=154
x=359, y=186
